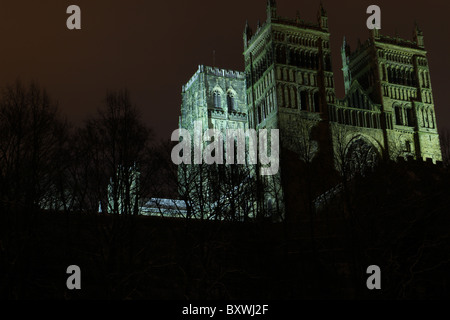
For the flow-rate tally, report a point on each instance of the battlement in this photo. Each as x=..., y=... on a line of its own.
x=398, y=41
x=213, y=71
x=223, y=72
x=385, y=39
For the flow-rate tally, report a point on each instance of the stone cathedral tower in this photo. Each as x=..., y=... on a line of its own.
x=387, y=111
x=216, y=97
x=393, y=73
x=288, y=75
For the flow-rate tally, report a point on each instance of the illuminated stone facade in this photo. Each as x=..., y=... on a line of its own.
x=388, y=103
x=394, y=77
x=216, y=97
x=288, y=84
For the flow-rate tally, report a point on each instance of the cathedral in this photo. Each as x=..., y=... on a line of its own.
x=387, y=112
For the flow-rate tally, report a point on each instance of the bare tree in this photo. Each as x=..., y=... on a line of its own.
x=110, y=150
x=32, y=168
x=31, y=139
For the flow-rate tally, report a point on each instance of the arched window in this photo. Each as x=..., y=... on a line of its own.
x=354, y=100
x=217, y=100
x=293, y=98
x=431, y=119
x=316, y=102
x=231, y=101
x=281, y=55
x=303, y=100
x=308, y=60
x=409, y=117
x=327, y=62
x=398, y=115
x=287, y=103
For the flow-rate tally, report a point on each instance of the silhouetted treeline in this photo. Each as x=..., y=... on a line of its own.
x=314, y=241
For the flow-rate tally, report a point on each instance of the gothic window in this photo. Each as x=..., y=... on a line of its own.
x=422, y=117
x=314, y=61
x=231, y=101
x=327, y=63
x=353, y=100
x=360, y=98
x=278, y=73
x=431, y=119
x=398, y=115
x=293, y=98
x=217, y=100
x=281, y=55
x=286, y=98
x=409, y=117
x=291, y=76
x=303, y=100
x=292, y=56
x=316, y=102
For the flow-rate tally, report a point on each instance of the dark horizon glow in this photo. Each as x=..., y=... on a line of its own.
x=152, y=48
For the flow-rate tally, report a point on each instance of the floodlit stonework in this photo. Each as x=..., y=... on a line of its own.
x=216, y=97
x=288, y=84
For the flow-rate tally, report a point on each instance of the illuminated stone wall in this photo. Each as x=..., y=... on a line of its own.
x=216, y=97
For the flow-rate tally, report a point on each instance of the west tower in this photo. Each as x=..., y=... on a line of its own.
x=288, y=74
x=394, y=73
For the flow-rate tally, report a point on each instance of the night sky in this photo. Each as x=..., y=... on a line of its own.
x=153, y=47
